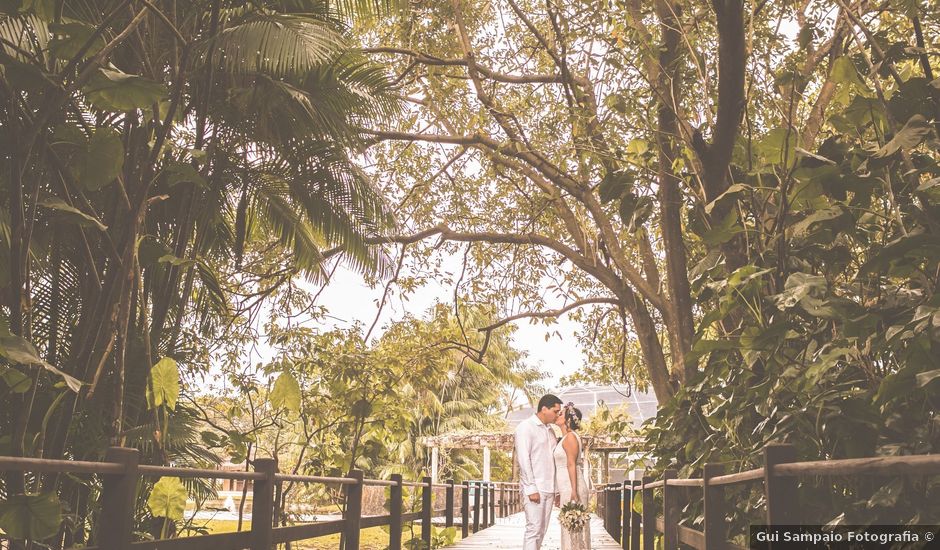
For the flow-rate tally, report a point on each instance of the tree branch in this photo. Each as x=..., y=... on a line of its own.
x=732, y=56
x=548, y=314
x=427, y=59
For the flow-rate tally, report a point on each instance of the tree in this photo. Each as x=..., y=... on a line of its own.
x=749, y=209
x=158, y=157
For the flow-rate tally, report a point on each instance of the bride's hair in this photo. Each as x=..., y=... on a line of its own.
x=572, y=417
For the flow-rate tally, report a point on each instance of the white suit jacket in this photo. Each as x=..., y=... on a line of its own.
x=534, y=445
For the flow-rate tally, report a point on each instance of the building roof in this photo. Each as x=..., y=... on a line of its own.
x=640, y=405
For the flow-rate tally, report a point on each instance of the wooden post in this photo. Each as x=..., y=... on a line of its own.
x=353, y=517
x=715, y=529
x=606, y=467
x=394, y=510
x=475, y=485
x=492, y=504
x=649, y=515
x=780, y=492
x=449, y=504
x=426, y=509
x=484, y=487
x=601, y=492
x=262, y=505
x=119, y=499
x=502, y=500
x=465, y=510
x=613, y=509
x=635, y=522
x=670, y=511
x=625, y=496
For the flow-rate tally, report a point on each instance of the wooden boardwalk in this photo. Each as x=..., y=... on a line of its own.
x=508, y=531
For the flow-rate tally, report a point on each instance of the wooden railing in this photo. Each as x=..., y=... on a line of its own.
x=481, y=503
x=780, y=482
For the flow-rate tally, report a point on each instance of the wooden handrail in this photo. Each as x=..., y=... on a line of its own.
x=121, y=473
x=196, y=472
x=316, y=479
x=882, y=466
x=43, y=465
x=779, y=477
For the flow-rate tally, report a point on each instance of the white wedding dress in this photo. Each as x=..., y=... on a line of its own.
x=581, y=540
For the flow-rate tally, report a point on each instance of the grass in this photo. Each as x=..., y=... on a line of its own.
x=373, y=538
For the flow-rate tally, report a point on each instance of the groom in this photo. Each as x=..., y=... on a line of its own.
x=535, y=442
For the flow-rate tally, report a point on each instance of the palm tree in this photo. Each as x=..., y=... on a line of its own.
x=150, y=152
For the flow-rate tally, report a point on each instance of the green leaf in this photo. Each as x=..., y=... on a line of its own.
x=168, y=499
x=732, y=190
x=797, y=287
x=844, y=72
x=164, y=388
x=103, y=160
x=638, y=147
x=44, y=9
x=180, y=172
x=71, y=37
x=71, y=213
x=925, y=378
x=30, y=516
x=173, y=260
x=117, y=91
x=723, y=231
x=286, y=393
x=361, y=408
x=638, y=503
x=19, y=350
x=778, y=145
x=614, y=185
x=908, y=137
x=16, y=380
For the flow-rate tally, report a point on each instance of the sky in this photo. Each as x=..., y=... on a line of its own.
x=348, y=298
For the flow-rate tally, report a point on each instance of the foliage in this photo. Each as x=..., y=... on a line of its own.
x=165, y=168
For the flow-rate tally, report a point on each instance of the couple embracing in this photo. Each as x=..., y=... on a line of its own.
x=552, y=471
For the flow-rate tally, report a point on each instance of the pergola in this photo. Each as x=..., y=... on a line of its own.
x=506, y=441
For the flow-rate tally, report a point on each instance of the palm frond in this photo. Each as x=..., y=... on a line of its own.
x=277, y=44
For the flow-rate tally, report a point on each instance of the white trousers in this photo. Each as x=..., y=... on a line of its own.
x=537, y=517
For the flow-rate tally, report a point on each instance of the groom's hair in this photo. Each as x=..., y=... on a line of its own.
x=548, y=401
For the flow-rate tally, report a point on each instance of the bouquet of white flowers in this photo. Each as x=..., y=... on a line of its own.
x=573, y=516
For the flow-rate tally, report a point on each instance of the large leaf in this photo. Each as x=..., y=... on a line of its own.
x=17, y=349
x=34, y=517
x=164, y=387
x=15, y=380
x=925, y=378
x=286, y=393
x=71, y=213
x=168, y=499
x=844, y=72
x=103, y=160
x=71, y=37
x=797, y=287
x=278, y=45
x=908, y=137
x=117, y=91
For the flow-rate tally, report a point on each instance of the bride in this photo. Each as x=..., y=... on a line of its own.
x=571, y=479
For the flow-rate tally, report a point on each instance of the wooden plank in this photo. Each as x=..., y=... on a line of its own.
x=307, y=530
x=692, y=537
x=508, y=532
